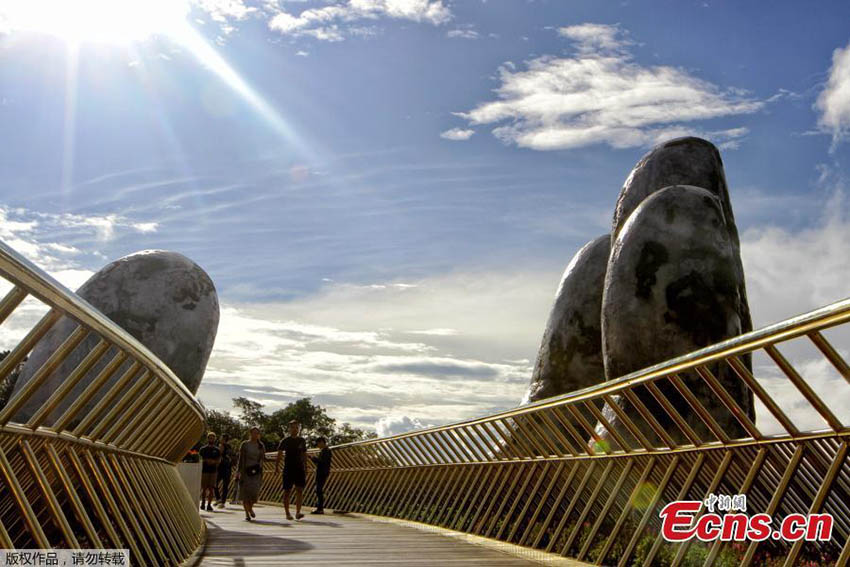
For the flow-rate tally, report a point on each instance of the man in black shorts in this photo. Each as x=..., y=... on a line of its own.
x=210, y=456
x=294, y=471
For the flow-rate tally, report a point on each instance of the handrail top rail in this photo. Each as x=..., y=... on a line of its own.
x=821, y=318
x=42, y=285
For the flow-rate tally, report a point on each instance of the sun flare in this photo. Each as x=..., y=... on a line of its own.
x=98, y=21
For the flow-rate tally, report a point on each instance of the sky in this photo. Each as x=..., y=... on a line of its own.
x=386, y=192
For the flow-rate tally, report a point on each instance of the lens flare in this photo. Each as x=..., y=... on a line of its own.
x=97, y=21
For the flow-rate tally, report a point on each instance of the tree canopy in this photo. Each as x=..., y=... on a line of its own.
x=314, y=419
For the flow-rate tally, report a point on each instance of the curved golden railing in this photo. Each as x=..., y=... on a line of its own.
x=584, y=475
x=92, y=464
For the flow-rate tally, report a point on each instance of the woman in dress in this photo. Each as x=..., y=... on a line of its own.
x=249, y=471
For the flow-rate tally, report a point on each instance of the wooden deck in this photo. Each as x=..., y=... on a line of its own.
x=335, y=539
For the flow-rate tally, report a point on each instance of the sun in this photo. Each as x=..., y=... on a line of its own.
x=96, y=21
x=126, y=22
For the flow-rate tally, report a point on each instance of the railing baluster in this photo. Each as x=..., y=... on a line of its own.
x=11, y=301
x=712, y=487
x=22, y=349
x=597, y=489
x=543, y=499
x=21, y=501
x=497, y=483
x=47, y=492
x=93, y=357
x=74, y=498
x=612, y=496
x=831, y=354
x=729, y=402
x=743, y=489
x=644, y=412
x=541, y=477
x=671, y=412
x=757, y=389
x=90, y=390
x=777, y=497
x=627, y=421
x=804, y=388
x=112, y=399
x=556, y=534
x=627, y=509
x=514, y=478
x=556, y=504
x=612, y=431
x=460, y=506
x=100, y=511
x=124, y=418
x=650, y=508
x=474, y=503
x=820, y=498
x=682, y=494
x=700, y=410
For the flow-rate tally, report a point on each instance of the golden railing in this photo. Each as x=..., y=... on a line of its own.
x=95, y=469
x=584, y=475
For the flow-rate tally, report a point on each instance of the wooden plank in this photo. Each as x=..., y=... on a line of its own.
x=334, y=539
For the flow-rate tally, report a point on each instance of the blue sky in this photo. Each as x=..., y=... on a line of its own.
x=386, y=191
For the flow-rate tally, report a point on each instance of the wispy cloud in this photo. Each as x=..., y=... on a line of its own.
x=834, y=101
x=457, y=134
x=338, y=20
x=46, y=238
x=463, y=32
x=366, y=369
x=601, y=95
x=592, y=38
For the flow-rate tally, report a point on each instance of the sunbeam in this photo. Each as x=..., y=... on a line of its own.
x=127, y=22
x=210, y=58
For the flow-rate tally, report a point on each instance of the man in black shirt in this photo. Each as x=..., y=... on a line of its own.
x=323, y=469
x=294, y=472
x=210, y=457
x=225, y=468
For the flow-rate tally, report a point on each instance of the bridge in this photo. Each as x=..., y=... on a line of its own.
x=574, y=479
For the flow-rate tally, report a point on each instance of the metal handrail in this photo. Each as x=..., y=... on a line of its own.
x=38, y=283
x=563, y=474
x=822, y=318
x=92, y=463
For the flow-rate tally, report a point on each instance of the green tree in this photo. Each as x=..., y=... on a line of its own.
x=314, y=420
x=250, y=412
x=222, y=423
x=345, y=433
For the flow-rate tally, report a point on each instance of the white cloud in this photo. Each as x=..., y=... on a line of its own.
x=457, y=134
x=335, y=21
x=395, y=424
x=834, y=102
x=790, y=272
x=223, y=11
x=602, y=96
x=436, y=332
x=473, y=333
x=34, y=234
x=592, y=38
x=462, y=33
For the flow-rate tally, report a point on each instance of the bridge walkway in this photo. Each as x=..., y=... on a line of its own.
x=335, y=539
